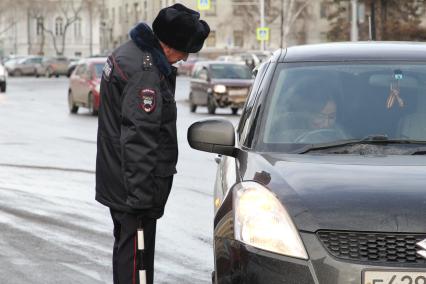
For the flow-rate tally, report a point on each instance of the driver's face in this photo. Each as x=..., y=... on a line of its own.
x=326, y=117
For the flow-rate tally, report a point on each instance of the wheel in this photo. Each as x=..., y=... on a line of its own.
x=71, y=104
x=91, y=104
x=17, y=73
x=211, y=105
x=192, y=106
x=3, y=87
x=234, y=110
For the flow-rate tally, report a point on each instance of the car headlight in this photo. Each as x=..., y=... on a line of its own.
x=261, y=221
x=219, y=89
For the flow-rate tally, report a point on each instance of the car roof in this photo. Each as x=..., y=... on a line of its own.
x=210, y=62
x=356, y=51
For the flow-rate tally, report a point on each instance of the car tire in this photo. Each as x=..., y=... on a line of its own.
x=3, y=88
x=192, y=106
x=71, y=104
x=17, y=73
x=91, y=104
x=211, y=106
x=234, y=110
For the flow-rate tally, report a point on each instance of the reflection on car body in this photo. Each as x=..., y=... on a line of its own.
x=326, y=181
x=219, y=84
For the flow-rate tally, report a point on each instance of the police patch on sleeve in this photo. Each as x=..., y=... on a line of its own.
x=148, y=103
x=107, y=71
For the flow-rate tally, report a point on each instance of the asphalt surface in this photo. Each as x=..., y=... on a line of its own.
x=52, y=229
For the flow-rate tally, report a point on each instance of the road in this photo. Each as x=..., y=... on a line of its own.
x=52, y=229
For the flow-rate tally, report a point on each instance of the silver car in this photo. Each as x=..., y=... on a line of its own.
x=52, y=66
x=24, y=66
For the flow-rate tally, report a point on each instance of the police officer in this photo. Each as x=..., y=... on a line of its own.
x=137, y=144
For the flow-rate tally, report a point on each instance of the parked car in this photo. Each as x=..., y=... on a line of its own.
x=52, y=66
x=219, y=84
x=85, y=85
x=186, y=67
x=23, y=66
x=3, y=78
x=309, y=191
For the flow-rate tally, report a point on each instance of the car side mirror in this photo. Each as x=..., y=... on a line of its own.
x=213, y=135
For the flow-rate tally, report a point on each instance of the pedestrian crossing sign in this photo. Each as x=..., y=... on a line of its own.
x=203, y=5
x=262, y=34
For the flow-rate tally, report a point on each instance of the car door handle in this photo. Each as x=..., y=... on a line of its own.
x=218, y=158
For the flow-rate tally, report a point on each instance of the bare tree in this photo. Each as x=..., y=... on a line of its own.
x=286, y=11
x=291, y=10
x=69, y=12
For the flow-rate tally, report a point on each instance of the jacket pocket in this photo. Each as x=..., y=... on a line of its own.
x=163, y=176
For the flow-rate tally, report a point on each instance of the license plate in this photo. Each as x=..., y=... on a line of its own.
x=393, y=277
x=241, y=92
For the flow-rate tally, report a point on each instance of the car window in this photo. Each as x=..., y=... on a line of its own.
x=81, y=70
x=98, y=69
x=327, y=102
x=230, y=71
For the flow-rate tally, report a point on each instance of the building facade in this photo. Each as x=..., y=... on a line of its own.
x=50, y=28
x=233, y=25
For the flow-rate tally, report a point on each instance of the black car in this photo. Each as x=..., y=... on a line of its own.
x=218, y=84
x=326, y=181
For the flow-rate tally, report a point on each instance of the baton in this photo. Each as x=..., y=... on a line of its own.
x=141, y=248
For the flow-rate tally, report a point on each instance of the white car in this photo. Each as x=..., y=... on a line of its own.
x=3, y=77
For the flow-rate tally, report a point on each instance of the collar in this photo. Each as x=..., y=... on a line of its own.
x=145, y=39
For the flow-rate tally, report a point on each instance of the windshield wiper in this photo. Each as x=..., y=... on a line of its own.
x=370, y=139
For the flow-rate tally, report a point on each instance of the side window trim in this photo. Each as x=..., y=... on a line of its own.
x=245, y=121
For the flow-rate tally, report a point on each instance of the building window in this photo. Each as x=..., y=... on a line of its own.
x=236, y=10
x=113, y=16
x=120, y=14
x=126, y=12
x=212, y=11
x=211, y=40
x=39, y=25
x=77, y=28
x=59, y=24
x=324, y=6
x=238, y=38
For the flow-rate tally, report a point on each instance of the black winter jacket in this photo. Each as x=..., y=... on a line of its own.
x=137, y=143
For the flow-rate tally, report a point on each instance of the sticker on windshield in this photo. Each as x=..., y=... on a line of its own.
x=107, y=71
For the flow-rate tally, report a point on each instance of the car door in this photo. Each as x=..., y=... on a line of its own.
x=85, y=86
x=78, y=86
x=195, y=85
x=203, y=86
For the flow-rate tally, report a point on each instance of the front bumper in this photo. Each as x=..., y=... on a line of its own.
x=225, y=100
x=236, y=262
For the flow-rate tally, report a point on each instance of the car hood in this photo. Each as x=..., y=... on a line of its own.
x=355, y=193
x=232, y=82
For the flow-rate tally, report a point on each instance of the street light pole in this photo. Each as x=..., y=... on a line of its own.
x=262, y=21
x=354, y=24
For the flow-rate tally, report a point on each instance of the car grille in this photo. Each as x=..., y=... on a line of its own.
x=373, y=247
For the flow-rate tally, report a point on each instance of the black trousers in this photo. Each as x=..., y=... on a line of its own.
x=126, y=260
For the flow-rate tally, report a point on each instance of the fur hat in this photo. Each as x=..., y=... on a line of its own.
x=181, y=28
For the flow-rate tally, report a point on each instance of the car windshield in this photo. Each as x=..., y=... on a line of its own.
x=319, y=103
x=230, y=71
x=98, y=69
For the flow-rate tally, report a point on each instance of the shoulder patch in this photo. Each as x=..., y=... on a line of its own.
x=107, y=71
x=148, y=98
